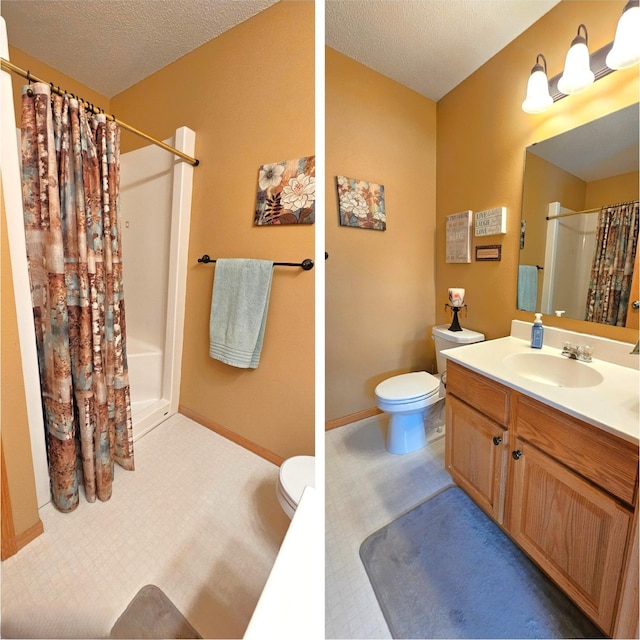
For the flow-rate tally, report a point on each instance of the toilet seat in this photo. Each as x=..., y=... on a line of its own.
x=295, y=474
x=408, y=387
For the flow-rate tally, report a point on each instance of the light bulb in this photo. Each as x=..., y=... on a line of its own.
x=577, y=75
x=626, y=45
x=538, y=98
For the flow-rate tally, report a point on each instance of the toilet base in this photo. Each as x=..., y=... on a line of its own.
x=406, y=433
x=286, y=507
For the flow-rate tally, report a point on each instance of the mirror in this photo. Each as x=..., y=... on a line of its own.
x=569, y=178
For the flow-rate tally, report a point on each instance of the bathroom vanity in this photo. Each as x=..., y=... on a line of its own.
x=555, y=466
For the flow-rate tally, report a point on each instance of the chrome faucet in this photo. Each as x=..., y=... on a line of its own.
x=577, y=352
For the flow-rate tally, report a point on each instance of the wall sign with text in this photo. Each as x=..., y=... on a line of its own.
x=459, y=237
x=491, y=222
x=489, y=253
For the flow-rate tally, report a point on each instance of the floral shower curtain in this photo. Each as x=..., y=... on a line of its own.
x=613, y=261
x=70, y=178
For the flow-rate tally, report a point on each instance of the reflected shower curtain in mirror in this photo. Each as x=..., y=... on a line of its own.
x=613, y=261
x=70, y=182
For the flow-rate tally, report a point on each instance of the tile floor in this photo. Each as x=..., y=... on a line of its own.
x=365, y=488
x=199, y=518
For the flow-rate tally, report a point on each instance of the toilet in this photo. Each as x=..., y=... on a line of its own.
x=409, y=398
x=295, y=474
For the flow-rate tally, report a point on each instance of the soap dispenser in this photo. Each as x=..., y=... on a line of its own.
x=537, y=332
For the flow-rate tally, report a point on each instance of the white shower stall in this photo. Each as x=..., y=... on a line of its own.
x=569, y=249
x=155, y=202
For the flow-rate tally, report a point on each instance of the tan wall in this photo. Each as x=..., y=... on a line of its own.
x=249, y=96
x=545, y=183
x=49, y=74
x=612, y=190
x=482, y=134
x=13, y=409
x=379, y=287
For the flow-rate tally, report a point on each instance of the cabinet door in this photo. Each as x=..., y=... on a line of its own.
x=475, y=455
x=574, y=531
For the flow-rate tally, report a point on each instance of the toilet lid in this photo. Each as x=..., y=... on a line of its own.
x=408, y=386
x=295, y=474
x=466, y=336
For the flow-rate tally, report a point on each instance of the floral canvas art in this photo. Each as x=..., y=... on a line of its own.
x=287, y=192
x=361, y=204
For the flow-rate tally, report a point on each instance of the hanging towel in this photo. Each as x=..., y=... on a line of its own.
x=527, y=287
x=239, y=311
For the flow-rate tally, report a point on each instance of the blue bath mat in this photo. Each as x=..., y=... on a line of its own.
x=446, y=570
x=152, y=615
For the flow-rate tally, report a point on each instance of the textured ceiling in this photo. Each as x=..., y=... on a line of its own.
x=429, y=46
x=110, y=45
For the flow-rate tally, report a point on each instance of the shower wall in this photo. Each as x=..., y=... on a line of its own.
x=570, y=246
x=145, y=203
x=155, y=203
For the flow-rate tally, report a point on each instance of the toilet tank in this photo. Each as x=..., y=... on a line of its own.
x=445, y=339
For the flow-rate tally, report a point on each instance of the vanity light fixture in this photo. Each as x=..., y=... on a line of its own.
x=582, y=69
x=577, y=75
x=626, y=45
x=538, y=97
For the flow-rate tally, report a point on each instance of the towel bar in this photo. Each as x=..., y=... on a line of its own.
x=306, y=264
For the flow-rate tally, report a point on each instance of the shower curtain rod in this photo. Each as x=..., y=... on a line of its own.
x=9, y=66
x=594, y=210
x=306, y=264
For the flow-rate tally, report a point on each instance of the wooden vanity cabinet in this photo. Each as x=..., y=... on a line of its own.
x=576, y=533
x=477, y=443
x=563, y=490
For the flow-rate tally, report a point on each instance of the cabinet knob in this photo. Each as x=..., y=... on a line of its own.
x=516, y=454
x=497, y=440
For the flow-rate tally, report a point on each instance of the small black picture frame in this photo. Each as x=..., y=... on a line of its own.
x=489, y=253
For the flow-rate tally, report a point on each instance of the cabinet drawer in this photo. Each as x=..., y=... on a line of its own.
x=608, y=461
x=483, y=394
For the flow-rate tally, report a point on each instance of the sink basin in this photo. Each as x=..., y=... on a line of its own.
x=555, y=371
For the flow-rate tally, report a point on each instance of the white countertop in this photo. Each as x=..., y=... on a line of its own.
x=612, y=405
x=288, y=608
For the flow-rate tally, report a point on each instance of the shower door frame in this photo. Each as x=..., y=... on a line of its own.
x=182, y=189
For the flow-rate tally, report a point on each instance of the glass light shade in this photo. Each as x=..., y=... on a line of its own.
x=577, y=75
x=538, y=97
x=626, y=45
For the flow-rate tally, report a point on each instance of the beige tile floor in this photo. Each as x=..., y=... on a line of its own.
x=199, y=518
x=366, y=488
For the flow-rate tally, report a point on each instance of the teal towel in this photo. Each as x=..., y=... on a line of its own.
x=527, y=287
x=239, y=311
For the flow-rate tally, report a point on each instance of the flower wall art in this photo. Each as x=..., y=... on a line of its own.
x=287, y=192
x=361, y=204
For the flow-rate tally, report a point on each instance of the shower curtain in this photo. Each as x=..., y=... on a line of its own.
x=613, y=261
x=70, y=181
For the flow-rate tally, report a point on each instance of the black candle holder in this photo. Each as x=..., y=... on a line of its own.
x=455, y=325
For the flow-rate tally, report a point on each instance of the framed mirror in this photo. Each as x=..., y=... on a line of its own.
x=568, y=180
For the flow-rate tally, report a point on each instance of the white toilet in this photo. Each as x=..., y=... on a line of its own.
x=295, y=474
x=410, y=397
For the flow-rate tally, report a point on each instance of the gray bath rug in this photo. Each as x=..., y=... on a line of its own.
x=445, y=570
x=152, y=615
